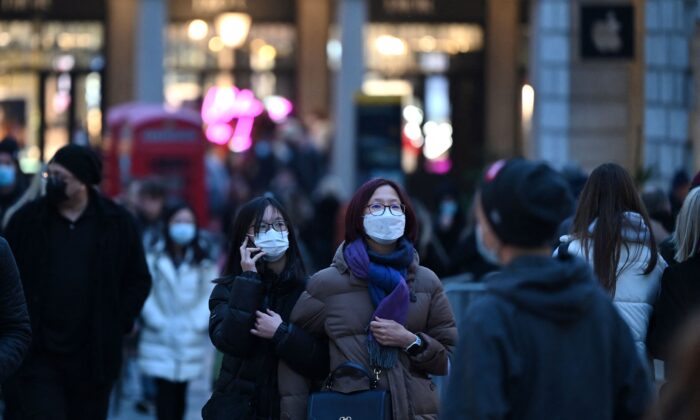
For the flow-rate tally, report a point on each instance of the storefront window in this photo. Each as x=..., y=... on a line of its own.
x=198, y=58
x=56, y=64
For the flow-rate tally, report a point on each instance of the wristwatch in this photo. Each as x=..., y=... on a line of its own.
x=415, y=347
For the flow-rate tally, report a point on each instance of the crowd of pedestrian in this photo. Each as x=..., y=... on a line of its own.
x=586, y=280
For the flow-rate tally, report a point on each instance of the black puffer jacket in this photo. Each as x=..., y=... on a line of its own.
x=15, y=332
x=247, y=387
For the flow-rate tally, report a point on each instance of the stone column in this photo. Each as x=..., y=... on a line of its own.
x=550, y=73
x=150, y=50
x=313, y=19
x=352, y=15
x=502, y=87
x=120, y=47
x=667, y=109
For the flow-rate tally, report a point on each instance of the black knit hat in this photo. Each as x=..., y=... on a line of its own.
x=81, y=161
x=524, y=201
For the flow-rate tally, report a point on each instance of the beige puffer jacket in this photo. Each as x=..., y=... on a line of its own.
x=338, y=305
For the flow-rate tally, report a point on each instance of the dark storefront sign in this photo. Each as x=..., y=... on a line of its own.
x=378, y=138
x=430, y=11
x=607, y=32
x=52, y=9
x=259, y=10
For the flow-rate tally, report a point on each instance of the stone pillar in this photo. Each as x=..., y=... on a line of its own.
x=120, y=39
x=550, y=73
x=502, y=116
x=605, y=97
x=352, y=15
x=150, y=50
x=313, y=19
x=667, y=82
x=695, y=116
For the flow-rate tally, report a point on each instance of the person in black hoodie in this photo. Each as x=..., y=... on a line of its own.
x=250, y=308
x=543, y=341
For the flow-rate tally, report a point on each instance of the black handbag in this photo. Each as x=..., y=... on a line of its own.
x=370, y=404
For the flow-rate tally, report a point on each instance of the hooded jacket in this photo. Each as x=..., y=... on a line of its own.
x=173, y=342
x=635, y=292
x=545, y=342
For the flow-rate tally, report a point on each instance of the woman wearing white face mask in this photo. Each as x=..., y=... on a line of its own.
x=173, y=342
x=249, y=320
x=379, y=308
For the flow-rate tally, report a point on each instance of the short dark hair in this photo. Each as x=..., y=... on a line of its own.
x=354, y=227
x=153, y=188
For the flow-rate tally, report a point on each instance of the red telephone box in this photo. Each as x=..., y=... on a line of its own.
x=152, y=141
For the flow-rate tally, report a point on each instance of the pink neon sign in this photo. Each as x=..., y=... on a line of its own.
x=223, y=105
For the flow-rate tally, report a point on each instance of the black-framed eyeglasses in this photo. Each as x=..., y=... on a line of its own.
x=377, y=209
x=277, y=226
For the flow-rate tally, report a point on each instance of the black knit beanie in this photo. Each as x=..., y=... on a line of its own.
x=81, y=161
x=525, y=201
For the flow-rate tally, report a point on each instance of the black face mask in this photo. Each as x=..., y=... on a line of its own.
x=56, y=191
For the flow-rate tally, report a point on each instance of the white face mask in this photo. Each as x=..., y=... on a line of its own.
x=385, y=229
x=273, y=243
x=488, y=255
x=182, y=233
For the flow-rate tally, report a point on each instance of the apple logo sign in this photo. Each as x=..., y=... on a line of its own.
x=605, y=34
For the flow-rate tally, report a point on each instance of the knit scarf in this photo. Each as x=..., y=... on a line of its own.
x=385, y=275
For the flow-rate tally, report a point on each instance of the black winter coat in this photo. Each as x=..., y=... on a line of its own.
x=247, y=387
x=679, y=298
x=121, y=277
x=15, y=331
x=545, y=342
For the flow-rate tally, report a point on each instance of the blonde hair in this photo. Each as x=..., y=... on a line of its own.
x=687, y=235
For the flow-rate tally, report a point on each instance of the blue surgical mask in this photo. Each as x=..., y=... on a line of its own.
x=7, y=175
x=448, y=208
x=488, y=255
x=182, y=233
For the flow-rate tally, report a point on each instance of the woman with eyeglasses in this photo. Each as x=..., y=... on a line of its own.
x=249, y=321
x=378, y=307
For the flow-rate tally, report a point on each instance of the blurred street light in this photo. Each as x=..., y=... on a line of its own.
x=216, y=44
x=390, y=46
x=197, y=30
x=233, y=28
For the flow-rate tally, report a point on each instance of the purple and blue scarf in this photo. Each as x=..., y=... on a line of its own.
x=386, y=278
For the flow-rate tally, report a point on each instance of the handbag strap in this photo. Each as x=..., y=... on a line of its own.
x=350, y=367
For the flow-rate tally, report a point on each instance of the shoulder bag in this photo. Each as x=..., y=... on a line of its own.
x=370, y=404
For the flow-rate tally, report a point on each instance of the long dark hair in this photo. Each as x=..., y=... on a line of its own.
x=251, y=213
x=607, y=195
x=199, y=253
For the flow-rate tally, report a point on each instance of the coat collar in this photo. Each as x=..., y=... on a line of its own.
x=104, y=206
